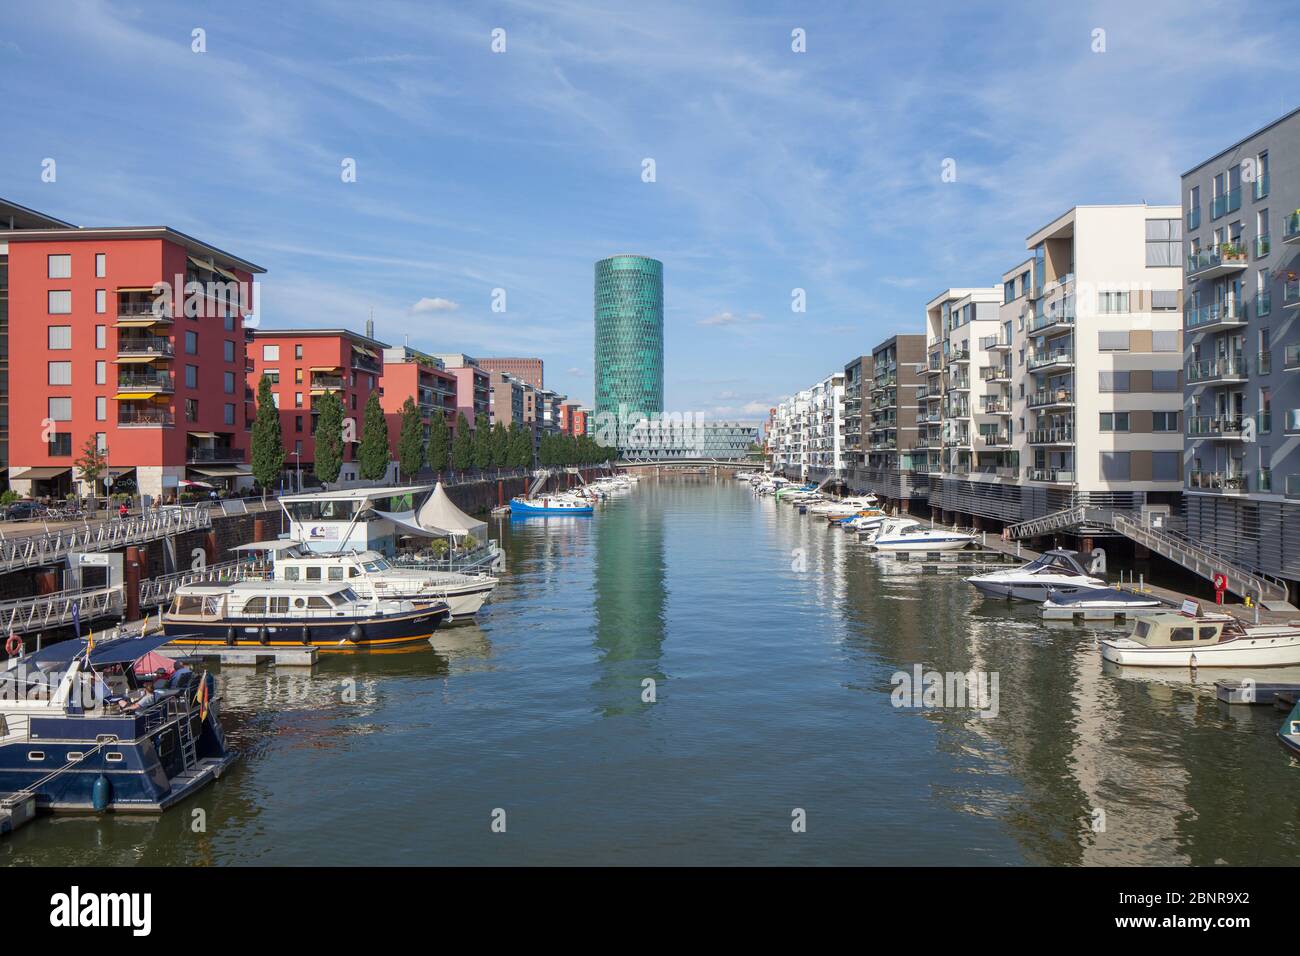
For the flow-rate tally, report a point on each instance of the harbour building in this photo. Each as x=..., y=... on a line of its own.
x=629, y=341
x=1241, y=314
x=891, y=419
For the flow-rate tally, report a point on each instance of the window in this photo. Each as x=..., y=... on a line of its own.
x=291, y=574
x=60, y=337
x=101, y=265
x=1112, y=302
x=297, y=352
x=230, y=414
x=313, y=574
x=1115, y=465
x=101, y=373
x=101, y=336
x=297, y=447
x=1164, y=300
x=60, y=409
x=273, y=374
x=191, y=376
x=1165, y=341
x=1164, y=421
x=1113, y=341
x=60, y=302
x=101, y=408
x=271, y=353
x=297, y=399
x=336, y=574
x=275, y=399
x=101, y=301
x=191, y=409
x=192, y=343
x=60, y=267
x=1165, y=381
x=228, y=350
x=297, y=423
x=1114, y=421
x=1114, y=381
x=1164, y=242
x=297, y=376
x=229, y=382
x=60, y=373
x=1164, y=465
x=1181, y=633
x=60, y=444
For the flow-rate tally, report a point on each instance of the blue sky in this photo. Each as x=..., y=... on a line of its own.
x=774, y=169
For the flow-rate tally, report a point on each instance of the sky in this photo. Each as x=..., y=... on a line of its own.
x=774, y=169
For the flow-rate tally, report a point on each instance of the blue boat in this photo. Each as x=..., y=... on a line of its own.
x=81, y=732
x=1289, y=733
x=550, y=506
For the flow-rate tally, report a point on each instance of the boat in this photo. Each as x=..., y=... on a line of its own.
x=1057, y=570
x=843, y=507
x=1289, y=732
x=908, y=534
x=327, y=614
x=866, y=520
x=81, y=732
x=550, y=505
x=1100, y=599
x=1173, y=639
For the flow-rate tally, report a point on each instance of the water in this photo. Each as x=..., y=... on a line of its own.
x=773, y=693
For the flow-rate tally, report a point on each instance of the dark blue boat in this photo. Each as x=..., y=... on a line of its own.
x=81, y=733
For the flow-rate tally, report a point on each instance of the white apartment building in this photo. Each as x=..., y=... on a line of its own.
x=808, y=430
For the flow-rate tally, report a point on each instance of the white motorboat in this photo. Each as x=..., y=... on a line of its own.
x=1101, y=599
x=1056, y=570
x=842, y=507
x=867, y=520
x=1171, y=639
x=908, y=534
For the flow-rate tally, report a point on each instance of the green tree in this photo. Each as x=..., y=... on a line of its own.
x=462, y=446
x=329, y=437
x=500, y=446
x=439, y=443
x=410, y=440
x=523, y=453
x=373, y=457
x=482, y=443
x=268, y=444
x=92, y=464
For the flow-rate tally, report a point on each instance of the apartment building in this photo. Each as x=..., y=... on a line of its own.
x=530, y=371
x=891, y=421
x=473, y=384
x=824, y=428
x=410, y=373
x=303, y=366
x=1241, y=294
x=857, y=393
x=789, y=443
x=506, y=399
x=134, y=338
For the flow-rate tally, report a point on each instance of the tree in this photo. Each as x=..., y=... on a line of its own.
x=521, y=455
x=329, y=438
x=500, y=446
x=439, y=443
x=462, y=446
x=92, y=464
x=373, y=457
x=482, y=443
x=410, y=440
x=268, y=444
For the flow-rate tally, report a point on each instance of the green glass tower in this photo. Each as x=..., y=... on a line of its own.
x=629, y=364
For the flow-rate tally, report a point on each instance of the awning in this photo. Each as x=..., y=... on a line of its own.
x=406, y=523
x=364, y=351
x=274, y=546
x=135, y=288
x=133, y=396
x=139, y=359
x=224, y=471
x=327, y=368
x=202, y=434
x=40, y=473
x=196, y=261
x=140, y=323
x=229, y=275
x=116, y=473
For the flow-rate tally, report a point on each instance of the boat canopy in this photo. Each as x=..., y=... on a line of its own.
x=118, y=650
x=439, y=511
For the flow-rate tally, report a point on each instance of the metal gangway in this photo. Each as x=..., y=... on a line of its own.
x=60, y=609
x=160, y=590
x=1242, y=580
x=52, y=547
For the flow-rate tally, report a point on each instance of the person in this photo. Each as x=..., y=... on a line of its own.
x=147, y=699
x=122, y=510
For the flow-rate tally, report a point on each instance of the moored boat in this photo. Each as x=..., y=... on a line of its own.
x=550, y=505
x=1172, y=639
x=1057, y=570
x=1289, y=732
x=1100, y=599
x=908, y=534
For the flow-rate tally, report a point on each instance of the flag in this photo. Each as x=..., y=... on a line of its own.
x=201, y=698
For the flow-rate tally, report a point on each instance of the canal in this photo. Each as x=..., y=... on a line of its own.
x=769, y=644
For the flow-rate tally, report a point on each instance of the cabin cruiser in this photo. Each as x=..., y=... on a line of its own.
x=1100, y=599
x=1173, y=639
x=550, y=505
x=326, y=614
x=80, y=731
x=867, y=520
x=373, y=576
x=842, y=508
x=1057, y=570
x=908, y=534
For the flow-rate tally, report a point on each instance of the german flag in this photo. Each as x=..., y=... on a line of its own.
x=201, y=698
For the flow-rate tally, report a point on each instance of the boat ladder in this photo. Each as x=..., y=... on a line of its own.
x=188, y=751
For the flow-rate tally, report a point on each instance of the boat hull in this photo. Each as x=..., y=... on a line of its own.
x=1242, y=652
x=1020, y=591
x=528, y=509
x=955, y=543
x=343, y=633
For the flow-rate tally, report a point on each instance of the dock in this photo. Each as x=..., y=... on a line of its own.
x=973, y=561
x=304, y=655
x=1281, y=694
x=1102, y=615
x=16, y=810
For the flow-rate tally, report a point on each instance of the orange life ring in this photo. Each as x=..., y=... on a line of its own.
x=14, y=645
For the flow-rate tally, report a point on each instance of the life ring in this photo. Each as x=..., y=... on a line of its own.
x=14, y=646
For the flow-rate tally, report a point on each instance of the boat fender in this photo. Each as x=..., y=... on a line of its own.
x=14, y=646
x=230, y=637
x=263, y=635
x=306, y=634
x=356, y=634
x=102, y=793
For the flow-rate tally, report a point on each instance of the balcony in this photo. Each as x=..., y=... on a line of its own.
x=1291, y=359
x=1228, y=482
x=1051, y=436
x=995, y=373
x=1291, y=228
x=1220, y=315
x=996, y=407
x=135, y=313
x=150, y=346
x=145, y=417
x=1058, y=476
x=132, y=381
x=1228, y=202
x=200, y=454
x=1221, y=371
x=1058, y=358
x=1291, y=294
x=326, y=383
x=995, y=343
x=959, y=384
x=1221, y=260
x=1216, y=427
x=995, y=440
x=959, y=353
x=1049, y=397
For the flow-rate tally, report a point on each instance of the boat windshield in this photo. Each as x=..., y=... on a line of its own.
x=377, y=565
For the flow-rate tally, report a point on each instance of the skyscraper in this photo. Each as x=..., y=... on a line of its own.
x=629, y=365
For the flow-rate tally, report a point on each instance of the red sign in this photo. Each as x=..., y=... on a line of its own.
x=1220, y=582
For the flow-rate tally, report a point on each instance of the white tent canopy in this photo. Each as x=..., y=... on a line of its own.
x=407, y=523
x=438, y=511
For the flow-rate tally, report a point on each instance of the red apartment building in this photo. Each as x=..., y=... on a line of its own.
x=473, y=385
x=409, y=373
x=133, y=337
x=305, y=364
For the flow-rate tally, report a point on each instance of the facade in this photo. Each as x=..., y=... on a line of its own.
x=629, y=340
x=664, y=439
x=825, y=426
x=134, y=338
x=473, y=385
x=304, y=365
x=527, y=370
x=857, y=392
x=410, y=373
x=893, y=469
x=1241, y=300
x=507, y=404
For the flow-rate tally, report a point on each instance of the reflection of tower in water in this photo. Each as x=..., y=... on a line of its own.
x=629, y=601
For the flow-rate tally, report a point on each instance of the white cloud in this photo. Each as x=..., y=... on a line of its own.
x=427, y=304
x=729, y=318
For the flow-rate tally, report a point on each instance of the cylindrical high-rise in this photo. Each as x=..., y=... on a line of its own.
x=629, y=337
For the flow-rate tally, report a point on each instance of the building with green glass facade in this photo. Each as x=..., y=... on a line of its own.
x=629, y=364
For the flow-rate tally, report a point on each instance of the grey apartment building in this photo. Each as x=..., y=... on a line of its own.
x=1241, y=293
x=890, y=420
x=857, y=392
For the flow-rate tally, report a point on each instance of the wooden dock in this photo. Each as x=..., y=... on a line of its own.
x=971, y=561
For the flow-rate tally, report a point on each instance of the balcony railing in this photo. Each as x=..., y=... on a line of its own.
x=995, y=408
x=1051, y=396
x=1291, y=228
x=1226, y=369
x=1291, y=359
x=133, y=381
x=128, y=417
x=1263, y=246
x=1263, y=304
x=327, y=381
x=1225, y=257
x=995, y=440
x=1193, y=218
x=1057, y=475
x=200, y=453
x=1051, y=436
x=991, y=343
x=1217, y=314
x=1261, y=187
x=1215, y=426
x=1049, y=319
x=1055, y=357
x=995, y=373
x=1291, y=293
x=1218, y=481
x=144, y=345
x=1228, y=202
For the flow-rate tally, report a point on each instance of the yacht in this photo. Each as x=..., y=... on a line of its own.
x=550, y=505
x=1100, y=599
x=843, y=507
x=908, y=534
x=1057, y=570
x=867, y=520
x=1173, y=639
x=79, y=734
x=326, y=614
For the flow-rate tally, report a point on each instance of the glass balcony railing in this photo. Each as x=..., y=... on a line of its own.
x=1226, y=255
x=1226, y=368
x=1263, y=304
x=144, y=345
x=1049, y=319
x=1263, y=363
x=139, y=381
x=1291, y=359
x=1056, y=357
x=1218, y=313
x=1193, y=218
x=1262, y=246
x=1215, y=426
x=1057, y=475
x=1261, y=186
x=1218, y=481
x=1228, y=202
x=1291, y=227
x=133, y=417
x=1050, y=396
x=1291, y=293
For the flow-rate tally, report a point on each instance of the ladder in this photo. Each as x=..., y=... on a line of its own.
x=188, y=751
